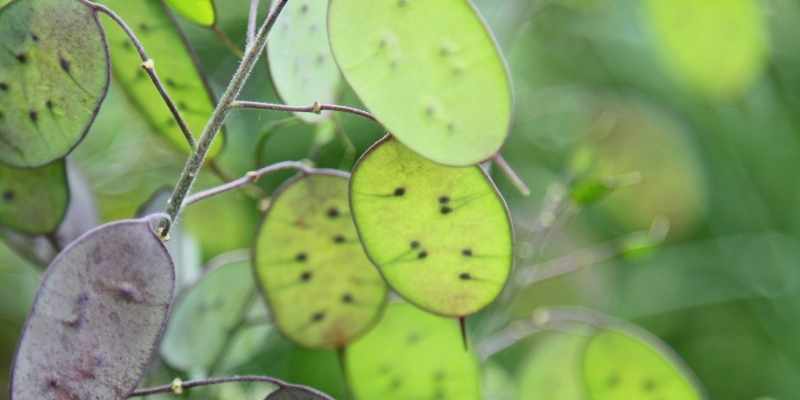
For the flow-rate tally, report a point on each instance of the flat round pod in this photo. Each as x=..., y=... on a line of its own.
x=553, y=369
x=97, y=316
x=204, y=318
x=630, y=364
x=322, y=289
x=441, y=236
x=716, y=47
x=429, y=70
x=33, y=201
x=297, y=392
x=299, y=56
x=54, y=75
x=412, y=354
x=200, y=12
x=175, y=63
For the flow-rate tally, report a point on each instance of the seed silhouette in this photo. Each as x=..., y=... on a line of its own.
x=399, y=191
x=338, y=239
x=333, y=212
x=318, y=316
x=306, y=276
x=422, y=254
x=446, y=210
x=466, y=252
x=3, y=86
x=465, y=276
x=414, y=244
x=301, y=257
x=444, y=200
x=8, y=195
x=22, y=58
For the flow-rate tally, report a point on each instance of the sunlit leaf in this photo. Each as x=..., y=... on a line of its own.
x=97, y=316
x=552, y=370
x=175, y=63
x=53, y=78
x=33, y=201
x=429, y=70
x=412, y=354
x=322, y=289
x=440, y=235
x=201, y=12
x=300, y=61
x=297, y=393
x=203, y=320
x=716, y=47
x=621, y=365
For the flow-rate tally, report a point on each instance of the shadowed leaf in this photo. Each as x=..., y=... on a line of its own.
x=176, y=66
x=430, y=72
x=322, y=289
x=53, y=78
x=300, y=61
x=200, y=12
x=412, y=355
x=441, y=236
x=33, y=201
x=203, y=320
x=97, y=316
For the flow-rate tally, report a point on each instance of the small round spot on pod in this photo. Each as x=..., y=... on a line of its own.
x=347, y=298
x=301, y=257
x=414, y=244
x=422, y=254
x=332, y=212
x=339, y=239
x=444, y=199
x=3, y=86
x=400, y=191
x=466, y=252
x=318, y=316
x=445, y=210
x=306, y=276
x=465, y=276
x=8, y=195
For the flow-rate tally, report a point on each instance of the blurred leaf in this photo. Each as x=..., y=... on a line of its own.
x=105, y=299
x=205, y=319
x=201, y=12
x=498, y=384
x=176, y=66
x=300, y=61
x=34, y=201
x=552, y=369
x=412, y=354
x=413, y=63
x=54, y=77
x=321, y=288
x=440, y=235
x=296, y=393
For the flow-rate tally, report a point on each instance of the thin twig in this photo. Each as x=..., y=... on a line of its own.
x=315, y=108
x=172, y=388
x=229, y=44
x=249, y=178
x=512, y=175
x=149, y=67
x=195, y=162
x=251, y=22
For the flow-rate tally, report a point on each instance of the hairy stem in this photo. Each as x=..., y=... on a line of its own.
x=252, y=17
x=173, y=388
x=195, y=162
x=315, y=108
x=249, y=178
x=149, y=67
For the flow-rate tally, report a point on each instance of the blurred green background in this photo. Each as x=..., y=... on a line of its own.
x=694, y=105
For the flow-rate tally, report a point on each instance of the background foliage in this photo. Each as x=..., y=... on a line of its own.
x=709, y=121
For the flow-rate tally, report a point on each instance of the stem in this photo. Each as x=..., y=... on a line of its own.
x=227, y=41
x=195, y=162
x=315, y=108
x=149, y=67
x=512, y=175
x=249, y=178
x=251, y=22
x=170, y=388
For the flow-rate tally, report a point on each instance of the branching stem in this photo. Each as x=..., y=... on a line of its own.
x=249, y=178
x=177, y=387
x=149, y=67
x=251, y=22
x=315, y=108
x=195, y=162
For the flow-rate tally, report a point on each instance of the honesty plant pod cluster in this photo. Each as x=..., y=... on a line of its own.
x=381, y=264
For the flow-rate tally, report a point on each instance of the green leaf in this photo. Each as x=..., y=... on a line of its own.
x=717, y=48
x=53, y=79
x=175, y=63
x=625, y=364
x=203, y=320
x=33, y=201
x=429, y=70
x=412, y=354
x=200, y=12
x=552, y=371
x=441, y=236
x=321, y=288
x=97, y=317
x=300, y=61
